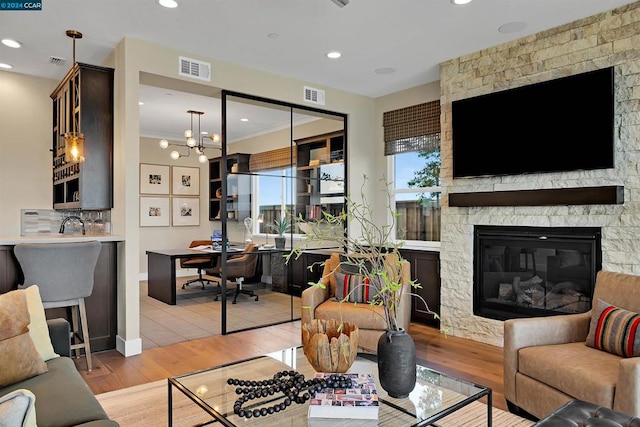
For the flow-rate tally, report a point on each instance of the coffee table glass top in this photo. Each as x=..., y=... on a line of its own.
x=434, y=396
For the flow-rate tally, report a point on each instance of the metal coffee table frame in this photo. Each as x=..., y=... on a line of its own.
x=442, y=394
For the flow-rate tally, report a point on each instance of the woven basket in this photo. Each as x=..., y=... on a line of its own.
x=328, y=350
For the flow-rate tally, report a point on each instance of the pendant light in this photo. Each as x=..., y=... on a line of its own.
x=74, y=140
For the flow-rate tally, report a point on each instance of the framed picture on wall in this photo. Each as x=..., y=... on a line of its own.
x=186, y=211
x=154, y=179
x=154, y=211
x=186, y=181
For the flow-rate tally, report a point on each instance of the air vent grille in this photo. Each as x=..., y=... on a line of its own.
x=315, y=96
x=193, y=68
x=57, y=61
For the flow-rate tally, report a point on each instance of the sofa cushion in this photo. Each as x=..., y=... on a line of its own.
x=573, y=368
x=17, y=409
x=354, y=288
x=38, y=328
x=63, y=398
x=364, y=316
x=19, y=357
x=614, y=330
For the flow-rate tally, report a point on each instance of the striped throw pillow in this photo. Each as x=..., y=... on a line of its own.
x=354, y=286
x=614, y=330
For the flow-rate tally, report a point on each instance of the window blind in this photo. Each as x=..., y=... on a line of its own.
x=273, y=159
x=414, y=128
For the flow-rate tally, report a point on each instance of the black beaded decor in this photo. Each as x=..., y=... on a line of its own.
x=290, y=386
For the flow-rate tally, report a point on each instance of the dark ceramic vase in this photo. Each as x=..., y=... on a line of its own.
x=397, y=363
x=280, y=242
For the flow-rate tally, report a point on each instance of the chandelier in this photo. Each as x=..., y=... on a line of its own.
x=193, y=141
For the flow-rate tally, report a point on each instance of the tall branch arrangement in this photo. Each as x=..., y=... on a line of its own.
x=374, y=253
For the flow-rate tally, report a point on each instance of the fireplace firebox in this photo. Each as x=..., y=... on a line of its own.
x=534, y=271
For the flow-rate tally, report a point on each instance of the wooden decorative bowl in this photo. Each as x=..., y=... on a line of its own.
x=328, y=350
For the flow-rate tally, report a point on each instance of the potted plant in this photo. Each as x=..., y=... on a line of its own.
x=280, y=226
x=375, y=254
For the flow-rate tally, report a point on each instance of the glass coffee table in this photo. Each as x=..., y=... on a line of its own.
x=435, y=395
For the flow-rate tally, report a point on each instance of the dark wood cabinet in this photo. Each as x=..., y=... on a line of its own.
x=101, y=305
x=425, y=269
x=238, y=187
x=294, y=277
x=320, y=175
x=83, y=102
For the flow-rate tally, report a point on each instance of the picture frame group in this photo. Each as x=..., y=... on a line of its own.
x=169, y=195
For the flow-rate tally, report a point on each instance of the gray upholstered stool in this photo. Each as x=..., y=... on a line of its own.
x=583, y=414
x=64, y=274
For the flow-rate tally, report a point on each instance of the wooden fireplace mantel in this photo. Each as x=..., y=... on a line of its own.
x=603, y=195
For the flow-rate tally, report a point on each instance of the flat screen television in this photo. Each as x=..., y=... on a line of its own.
x=564, y=124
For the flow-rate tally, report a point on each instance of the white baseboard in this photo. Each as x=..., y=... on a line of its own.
x=128, y=348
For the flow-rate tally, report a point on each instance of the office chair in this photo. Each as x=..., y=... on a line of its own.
x=239, y=267
x=200, y=263
x=64, y=274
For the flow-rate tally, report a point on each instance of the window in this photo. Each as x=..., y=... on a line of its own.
x=274, y=193
x=412, y=144
x=416, y=194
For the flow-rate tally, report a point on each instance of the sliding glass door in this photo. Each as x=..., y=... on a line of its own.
x=294, y=169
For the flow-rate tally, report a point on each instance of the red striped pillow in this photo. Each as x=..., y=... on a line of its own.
x=354, y=287
x=614, y=330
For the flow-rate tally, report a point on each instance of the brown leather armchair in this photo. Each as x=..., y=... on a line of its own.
x=319, y=303
x=547, y=363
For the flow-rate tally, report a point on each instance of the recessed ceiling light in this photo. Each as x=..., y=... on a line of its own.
x=168, y=3
x=273, y=35
x=5, y=66
x=460, y=2
x=512, y=27
x=140, y=103
x=11, y=43
x=204, y=132
x=385, y=70
x=334, y=55
x=244, y=120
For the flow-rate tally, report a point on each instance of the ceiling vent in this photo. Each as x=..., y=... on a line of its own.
x=193, y=68
x=57, y=61
x=315, y=96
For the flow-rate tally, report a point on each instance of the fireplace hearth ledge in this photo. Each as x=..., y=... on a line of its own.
x=601, y=195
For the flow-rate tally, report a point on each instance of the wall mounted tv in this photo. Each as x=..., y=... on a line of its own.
x=564, y=124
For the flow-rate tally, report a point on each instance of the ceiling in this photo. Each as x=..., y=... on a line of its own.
x=386, y=45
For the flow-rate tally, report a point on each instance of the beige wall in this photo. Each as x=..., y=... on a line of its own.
x=25, y=139
x=25, y=168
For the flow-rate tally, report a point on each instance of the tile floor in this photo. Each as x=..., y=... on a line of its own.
x=197, y=315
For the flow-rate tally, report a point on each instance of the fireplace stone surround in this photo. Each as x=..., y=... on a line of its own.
x=602, y=40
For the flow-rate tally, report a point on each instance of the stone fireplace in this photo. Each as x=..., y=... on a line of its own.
x=602, y=40
x=534, y=271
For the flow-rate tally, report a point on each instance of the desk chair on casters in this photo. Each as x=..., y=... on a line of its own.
x=200, y=263
x=64, y=274
x=239, y=268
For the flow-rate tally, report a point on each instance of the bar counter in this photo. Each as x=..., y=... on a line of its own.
x=101, y=305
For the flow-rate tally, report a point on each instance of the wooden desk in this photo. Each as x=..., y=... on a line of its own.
x=161, y=270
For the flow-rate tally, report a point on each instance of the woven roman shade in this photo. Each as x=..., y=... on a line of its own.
x=273, y=159
x=415, y=128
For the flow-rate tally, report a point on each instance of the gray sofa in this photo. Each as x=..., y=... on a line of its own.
x=63, y=398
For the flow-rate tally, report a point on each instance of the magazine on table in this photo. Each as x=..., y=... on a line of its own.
x=359, y=401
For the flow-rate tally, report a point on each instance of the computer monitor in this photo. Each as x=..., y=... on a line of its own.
x=216, y=236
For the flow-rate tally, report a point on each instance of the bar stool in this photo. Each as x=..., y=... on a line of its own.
x=64, y=274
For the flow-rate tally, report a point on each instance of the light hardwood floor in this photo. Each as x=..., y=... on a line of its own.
x=476, y=362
